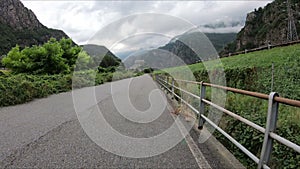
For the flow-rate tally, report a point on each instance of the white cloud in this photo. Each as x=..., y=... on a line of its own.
x=82, y=19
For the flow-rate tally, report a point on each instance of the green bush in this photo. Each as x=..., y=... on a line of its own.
x=21, y=88
x=16, y=89
x=53, y=57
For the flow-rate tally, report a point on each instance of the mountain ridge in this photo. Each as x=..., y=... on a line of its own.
x=177, y=52
x=19, y=25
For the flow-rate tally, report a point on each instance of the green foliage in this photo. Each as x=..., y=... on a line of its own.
x=21, y=88
x=16, y=89
x=85, y=78
x=51, y=58
x=109, y=61
x=83, y=61
x=253, y=72
x=70, y=50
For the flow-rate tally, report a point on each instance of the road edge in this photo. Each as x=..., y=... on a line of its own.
x=220, y=150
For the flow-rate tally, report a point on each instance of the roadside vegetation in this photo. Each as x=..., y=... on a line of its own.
x=253, y=72
x=54, y=67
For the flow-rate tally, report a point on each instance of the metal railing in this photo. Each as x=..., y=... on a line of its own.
x=269, y=134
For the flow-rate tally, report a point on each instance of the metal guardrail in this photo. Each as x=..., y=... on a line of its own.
x=269, y=46
x=269, y=135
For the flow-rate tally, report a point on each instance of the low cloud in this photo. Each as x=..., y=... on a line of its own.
x=81, y=20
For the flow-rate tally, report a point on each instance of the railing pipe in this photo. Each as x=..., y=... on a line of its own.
x=249, y=123
x=269, y=131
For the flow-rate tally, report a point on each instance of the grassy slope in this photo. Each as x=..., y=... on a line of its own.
x=286, y=63
x=258, y=59
x=252, y=71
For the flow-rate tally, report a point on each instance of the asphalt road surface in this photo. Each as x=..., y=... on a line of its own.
x=46, y=133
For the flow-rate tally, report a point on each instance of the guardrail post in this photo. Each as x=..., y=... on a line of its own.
x=167, y=84
x=173, y=91
x=270, y=127
x=202, y=106
x=160, y=82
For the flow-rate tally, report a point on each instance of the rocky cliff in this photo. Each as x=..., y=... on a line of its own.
x=19, y=25
x=266, y=25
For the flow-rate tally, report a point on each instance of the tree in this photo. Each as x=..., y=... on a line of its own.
x=35, y=56
x=51, y=58
x=15, y=60
x=53, y=61
x=71, y=51
x=83, y=61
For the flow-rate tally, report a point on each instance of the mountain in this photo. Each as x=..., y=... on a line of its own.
x=218, y=40
x=19, y=25
x=266, y=25
x=177, y=52
x=102, y=56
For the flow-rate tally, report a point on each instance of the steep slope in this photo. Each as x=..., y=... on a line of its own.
x=19, y=25
x=266, y=25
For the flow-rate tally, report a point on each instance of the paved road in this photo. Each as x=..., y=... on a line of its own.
x=46, y=133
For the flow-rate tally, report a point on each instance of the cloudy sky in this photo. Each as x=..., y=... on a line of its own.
x=81, y=20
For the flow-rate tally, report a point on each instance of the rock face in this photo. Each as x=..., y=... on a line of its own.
x=14, y=14
x=265, y=25
x=19, y=25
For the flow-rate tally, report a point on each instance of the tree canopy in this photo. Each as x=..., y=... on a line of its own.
x=50, y=58
x=55, y=57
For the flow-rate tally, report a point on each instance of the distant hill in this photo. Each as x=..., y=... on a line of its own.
x=177, y=53
x=220, y=40
x=180, y=49
x=156, y=58
x=102, y=56
x=265, y=25
x=19, y=25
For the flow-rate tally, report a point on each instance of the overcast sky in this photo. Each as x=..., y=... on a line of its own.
x=81, y=20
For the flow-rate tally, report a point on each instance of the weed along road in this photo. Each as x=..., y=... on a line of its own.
x=48, y=133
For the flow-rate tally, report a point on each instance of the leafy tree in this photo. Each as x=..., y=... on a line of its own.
x=83, y=61
x=51, y=58
x=70, y=51
x=109, y=61
x=53, y=61
x=15, y=60
x=35, y=56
